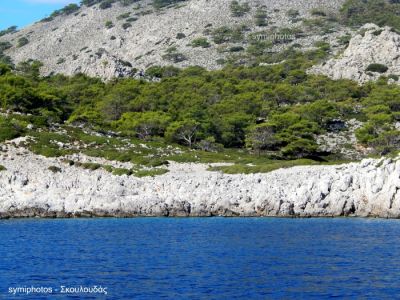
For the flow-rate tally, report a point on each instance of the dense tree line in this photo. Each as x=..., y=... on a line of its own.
x=276, y=108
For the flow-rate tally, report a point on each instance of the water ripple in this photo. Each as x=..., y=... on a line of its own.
x=213, y=258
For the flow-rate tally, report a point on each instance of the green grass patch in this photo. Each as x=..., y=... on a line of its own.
x=89, y=165
x=9, y=129
x=148, y=156
x=262, y=168
x=121, y=171
x=152, y=173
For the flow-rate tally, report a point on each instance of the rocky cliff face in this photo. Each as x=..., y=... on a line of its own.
x=372, y=45
x=114, y=42
x=28, y=189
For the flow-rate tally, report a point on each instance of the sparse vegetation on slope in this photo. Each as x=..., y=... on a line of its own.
x=125, y=27
x=22, y=42
x=380, y=12
x=9, y=30
x=238, y=9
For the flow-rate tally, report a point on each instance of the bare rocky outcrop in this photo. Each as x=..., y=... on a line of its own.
x=82, y=42
x=372, y=45
x=29, y=189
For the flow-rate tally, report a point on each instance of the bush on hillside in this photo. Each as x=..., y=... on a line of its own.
x=200, y=42
x=22, y=42
x=380, y=12
x=239, y=10
x=378, y=68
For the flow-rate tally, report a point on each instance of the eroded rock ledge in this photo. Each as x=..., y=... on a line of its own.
x=29, y=189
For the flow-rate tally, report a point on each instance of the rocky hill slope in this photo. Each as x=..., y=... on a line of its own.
x=373, y=52
x=28, y=188
x=120, y=40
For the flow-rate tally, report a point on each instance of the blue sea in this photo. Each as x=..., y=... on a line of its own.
x=200, y=258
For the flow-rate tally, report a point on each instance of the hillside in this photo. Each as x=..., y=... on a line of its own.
x=121, y=40
x=371, y=53
x=226, y=89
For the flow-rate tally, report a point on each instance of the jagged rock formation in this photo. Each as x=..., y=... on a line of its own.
x=372, y=45
x=343, y=141
x=84, y=42
x=28, y=188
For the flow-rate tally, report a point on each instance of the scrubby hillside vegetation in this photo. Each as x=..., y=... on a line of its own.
x=273, y=111
x=110, y=39
x=268, y=109
x=379, y=12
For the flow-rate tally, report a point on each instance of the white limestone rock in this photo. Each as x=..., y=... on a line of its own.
x=28, y=188
x=81, y=42
x=371, y=45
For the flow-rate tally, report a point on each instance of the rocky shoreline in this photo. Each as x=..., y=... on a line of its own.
x=29, y=189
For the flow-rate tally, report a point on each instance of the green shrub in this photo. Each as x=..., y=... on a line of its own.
x=380, y=12
x=90, y=2
x=122, y=171
x=239, y=10
x=200, y=42
x=131, y=19
x=162, y=3
x=172, y=55
x=162, y=72
x=106, y=4
x=344, y=40
x=47, y=150
x=127, y=2
x=109, y=24
x=227, y=35
x=5, y=45
x=69, y=9
x=144, y=125
x=318, y=12
x=180, y=36
x=152, y=173
x=9, y=30
x=22, y=42
x=300, y=148
x=377, y=32
x=8, y=131
x=236, y=49
x=60, y=61
x=123, y=16
x=386, y=142
x=126, y=25
x=261, y=18
x=264, y=167
x=55, y=169
x=293, y=14
x=378, y=68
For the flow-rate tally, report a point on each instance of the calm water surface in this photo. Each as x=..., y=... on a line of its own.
x=208, y=258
